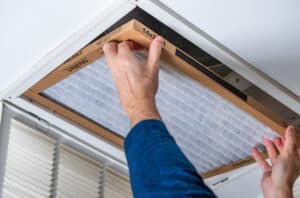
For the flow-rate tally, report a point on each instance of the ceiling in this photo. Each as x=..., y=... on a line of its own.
x=264, y=33
x=33, y=28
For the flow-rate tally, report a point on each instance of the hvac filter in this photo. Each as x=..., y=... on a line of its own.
x=211, y=131
x=213, y=122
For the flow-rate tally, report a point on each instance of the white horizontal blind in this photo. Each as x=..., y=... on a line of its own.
x=210, y=130
x=29, y=163
x=116, y=185
x=78, y=175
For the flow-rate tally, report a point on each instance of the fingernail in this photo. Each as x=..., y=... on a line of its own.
x=292, y=130
x=291, y=127
x=160, y=39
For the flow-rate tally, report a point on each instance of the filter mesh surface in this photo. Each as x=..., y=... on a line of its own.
x=210, y=130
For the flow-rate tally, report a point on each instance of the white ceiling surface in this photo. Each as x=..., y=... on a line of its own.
x=32, y=28
x=264, y=33
x=235, y=187
x=258, y=31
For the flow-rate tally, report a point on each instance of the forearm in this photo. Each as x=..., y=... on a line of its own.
x=157, y=166
x=282, y=192
x=143, y=110
x=285, y=193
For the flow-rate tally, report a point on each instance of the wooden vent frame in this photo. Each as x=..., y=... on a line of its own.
x=136, y=31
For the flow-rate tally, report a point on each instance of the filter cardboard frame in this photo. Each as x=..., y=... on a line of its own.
x=136, y=31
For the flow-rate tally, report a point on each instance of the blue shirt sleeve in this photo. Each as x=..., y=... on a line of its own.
x=157, y=166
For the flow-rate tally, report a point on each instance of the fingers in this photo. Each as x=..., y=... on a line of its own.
x=134, y=46
x=290, y=140
x=154, y=53
x=279, y=144
x=283, y=140
x=110, y=50
x=260, y=160
x=124, y=49
x=271, y=150
x=114, y=51
x=126, y=55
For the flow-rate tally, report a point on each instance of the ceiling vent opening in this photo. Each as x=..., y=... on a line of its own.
x=203, y=108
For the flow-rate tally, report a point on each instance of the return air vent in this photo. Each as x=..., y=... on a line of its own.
x=116, y=185
x=211, y=131
x=78, y=175
x=203, y=111
x=37, y=165
x=29, y=162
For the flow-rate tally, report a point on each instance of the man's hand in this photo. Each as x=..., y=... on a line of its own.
x=137, y=83
x=278, y=179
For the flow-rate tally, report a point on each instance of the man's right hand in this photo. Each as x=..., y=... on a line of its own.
x=278, y=179
x=136, y=82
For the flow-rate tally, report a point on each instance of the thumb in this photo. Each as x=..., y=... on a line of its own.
x=290, y=144
x=154, y=53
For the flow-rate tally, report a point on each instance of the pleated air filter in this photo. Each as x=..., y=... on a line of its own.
x=213, y=123
x=210, y=130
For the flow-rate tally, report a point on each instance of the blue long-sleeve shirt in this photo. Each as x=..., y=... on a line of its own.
x=157, y=166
